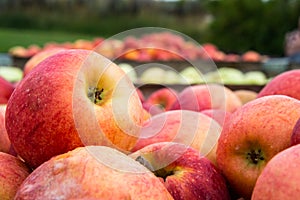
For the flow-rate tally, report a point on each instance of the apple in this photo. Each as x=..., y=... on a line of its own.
x=129, y=70
x=13, y=172
x=5, y=144
x=141, y=95
x=207, y=96
x=218, y=115
x=152, y=75
x=286, y=83
x=184, y=171
x=295, y=138
x=254, y=134
x=255, y=78
x=152, y=109
x=280, y=178
x=251, y=56
x=245, y=95
x=11, y=74
x=191, y=75
x=36, y=59
x=163, y=97
x=226, y=75
x=183, y=126
x=171, y=77
x=73, y=98
x=92, y=172
x=7, y=89
x=19, y=51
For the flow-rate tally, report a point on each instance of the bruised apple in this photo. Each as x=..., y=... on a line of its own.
x=182, y=126
x=71, y=99
x=254, y=134
x=13, y=172
x=92, y=172
x=184, y=171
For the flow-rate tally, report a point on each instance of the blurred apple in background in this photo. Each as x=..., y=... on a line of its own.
x=280, y=179
x=286, y=83
x=246, y=95
x=184, y=171
x=254, y=134
x=187, y=127
x=92, y=172
x=5, y=144
x=191, y=76
x=208, y=96
x=71, y=99
x=152, y=109
x=251, y=56
x=37, y=58
x=255, y=78
x=13, y=172
x=11, y=73
x=130, y=71
x=164, y=98
x=153, y=75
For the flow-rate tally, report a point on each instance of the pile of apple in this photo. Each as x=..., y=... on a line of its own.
x=160, y=46
x=76, y=127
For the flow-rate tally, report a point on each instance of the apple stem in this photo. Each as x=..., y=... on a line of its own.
x=95, y=95
x=255, y=156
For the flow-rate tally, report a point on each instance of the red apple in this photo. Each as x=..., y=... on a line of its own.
x=280, y=179
x=6, y=90
x=37, y=58
x=254, y=134
x=71, y=99
x=251, y=56
x=207, y=96
x=164, y=98
x=13, y=172
x=152, y=109
x=92, y=172
x=5, y=144
x=183, y=126
x=286, y=83
x=184, y=171
x=295, y=138
x=141, y=95
x=219, y=115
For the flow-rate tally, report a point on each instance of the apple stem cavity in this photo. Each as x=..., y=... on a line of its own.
x=162, y=173
x=255, y=156
x=95, y=94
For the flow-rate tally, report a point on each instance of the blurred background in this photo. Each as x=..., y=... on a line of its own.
x=234, y=26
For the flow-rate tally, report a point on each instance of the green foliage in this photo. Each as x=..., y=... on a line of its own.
x=240, y=25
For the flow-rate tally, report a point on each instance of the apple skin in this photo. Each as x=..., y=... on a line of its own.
x=280, y=179
x=295, y=138
x=37, y=58
x=13, y=172
x=246, y=95
x=251, y=56
x=286, y=83
x=92, y=172
x=164, y=98
x=183, y=126
x=207, y=96
x=50, y=111
x=254, y=134
x=7, y=89
x=184, y=171
x=152, y=109
x=5, y=144
x=218, y=115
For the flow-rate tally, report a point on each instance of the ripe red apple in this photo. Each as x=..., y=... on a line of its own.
x=5, y=144
x=164, y=98
x=184, y=171
x=183, y=126
x=207, y=96
x=37, y=58
x=280, y=179
x=13, y=172
x=92, y=172
x=254, y=134
x=295, y=138
x=71, y=99
x=286, y=83
x=152, y=109
x=6, y=90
